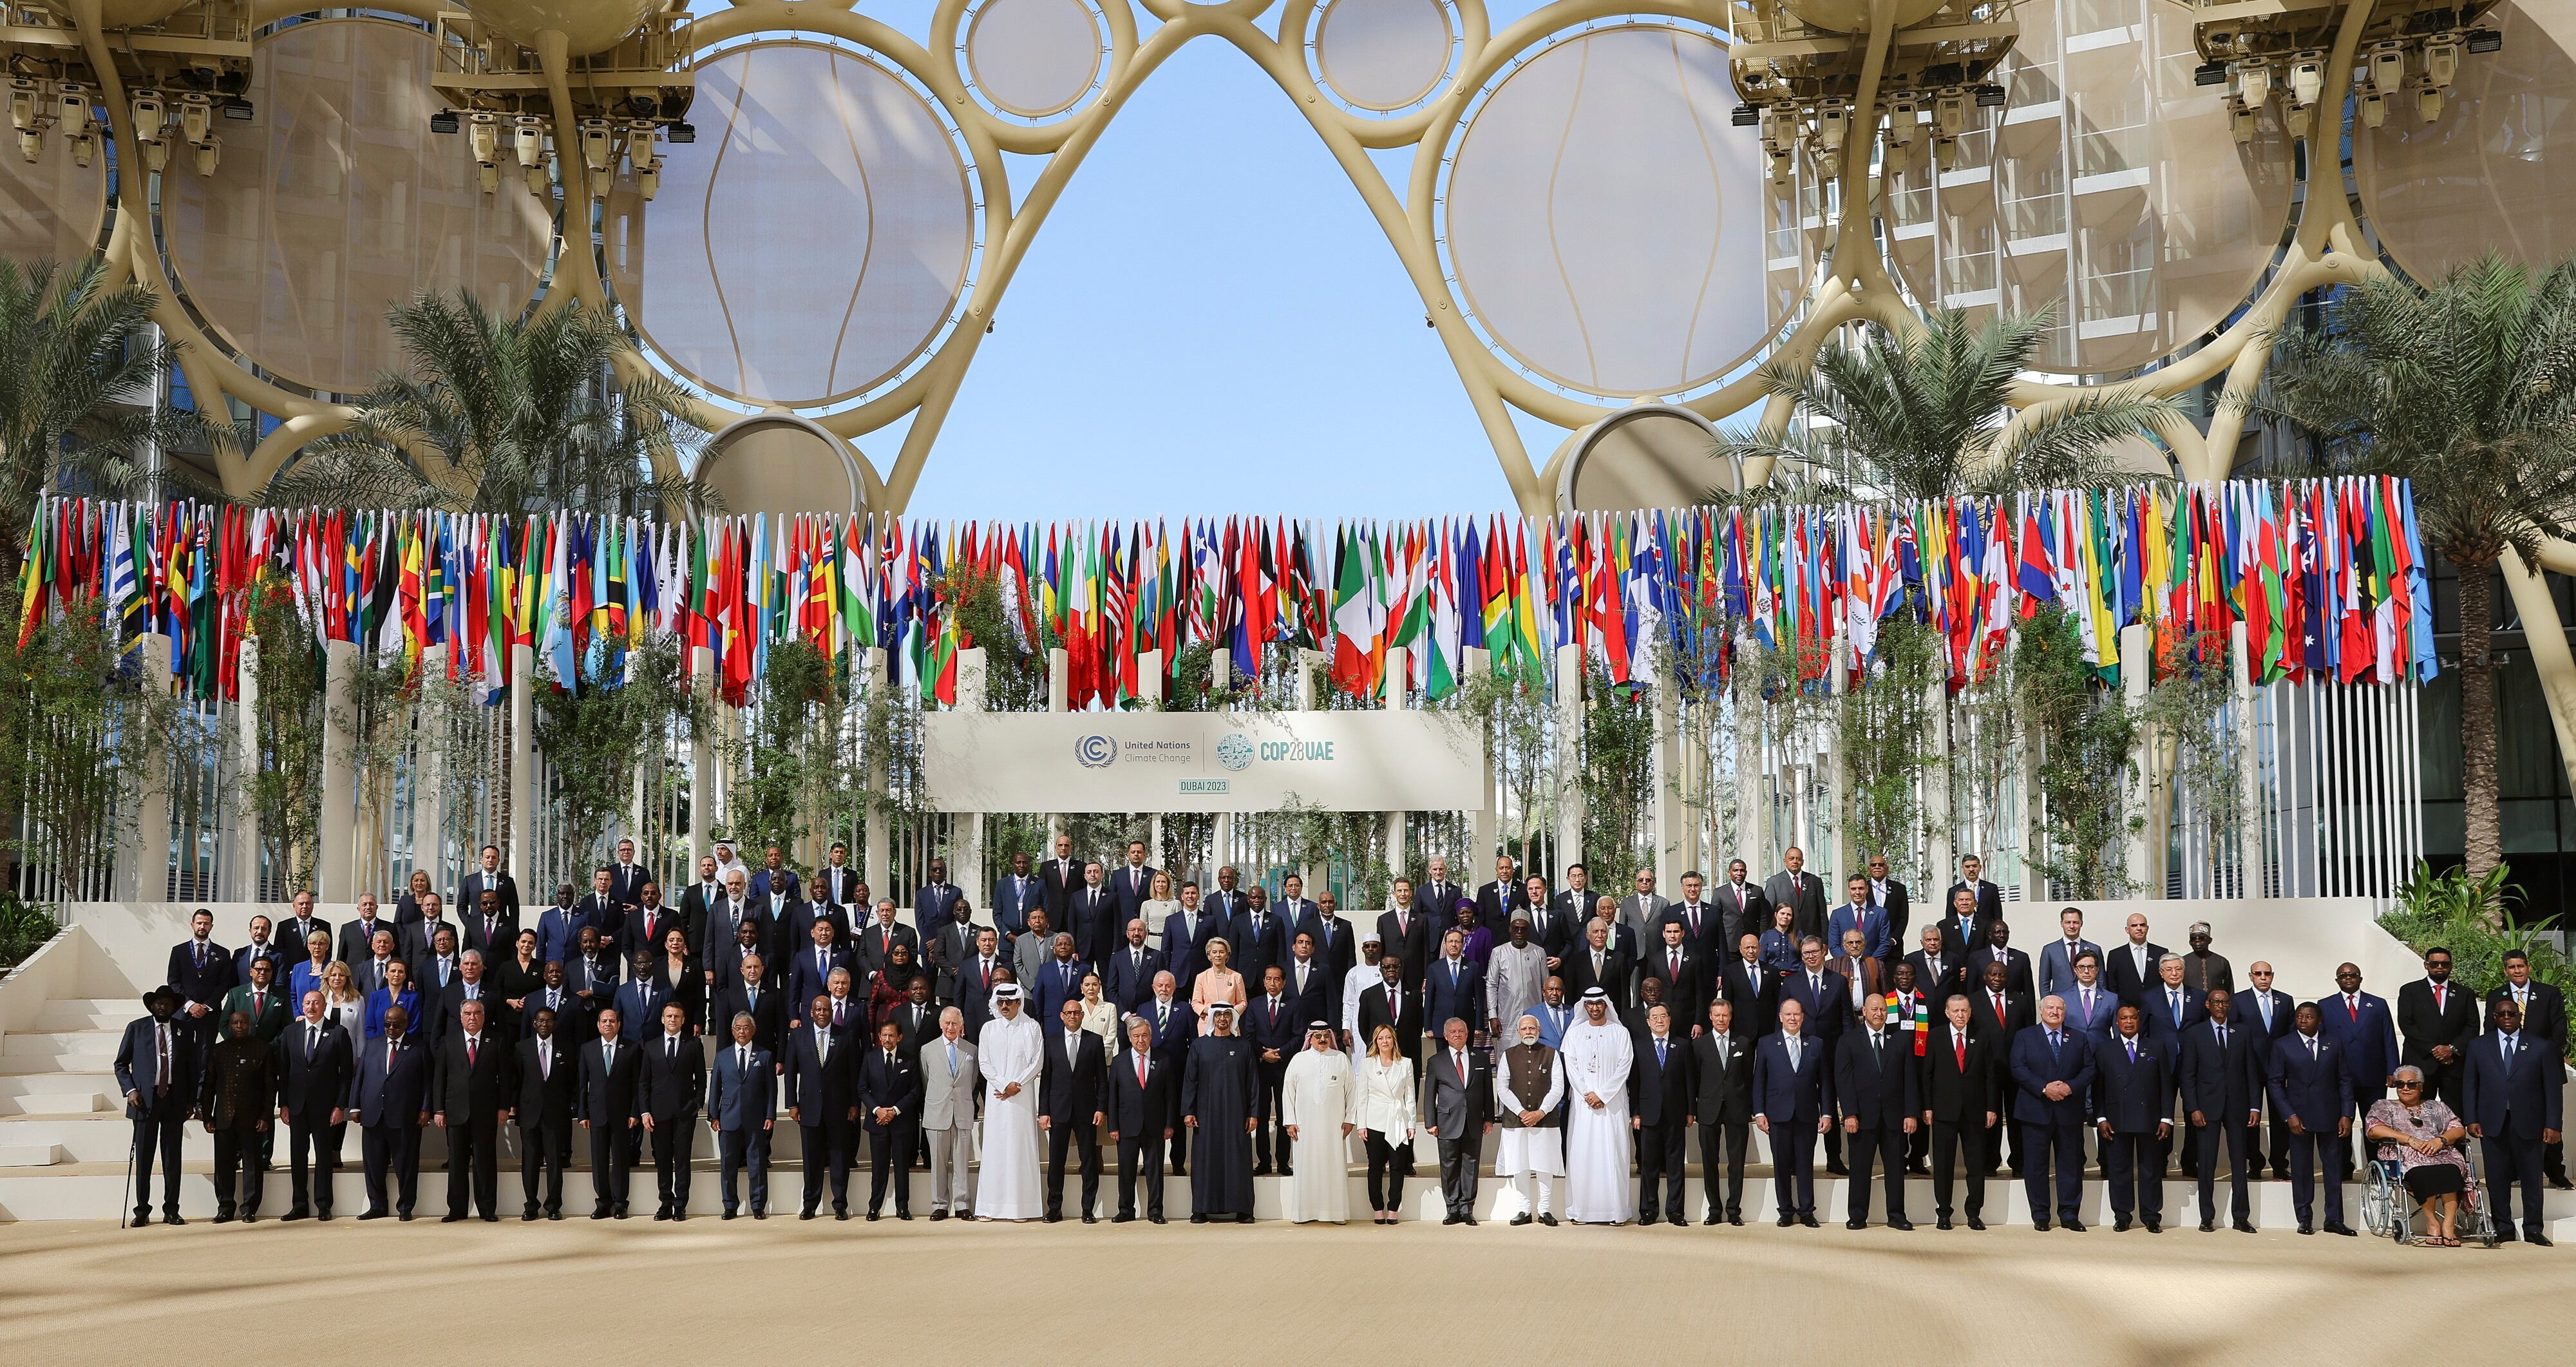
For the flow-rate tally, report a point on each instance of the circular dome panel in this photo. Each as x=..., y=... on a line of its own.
x=2497, y=171
x=51, y=208
x=1034, y=58
x=1384, y=55
x=2110, y=191
x=811, y=243
x=1605, y=223
x=336, y=203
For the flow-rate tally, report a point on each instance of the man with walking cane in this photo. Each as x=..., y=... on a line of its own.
x=157, y=1067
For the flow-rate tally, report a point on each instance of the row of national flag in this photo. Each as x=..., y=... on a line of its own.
x=2327, y=576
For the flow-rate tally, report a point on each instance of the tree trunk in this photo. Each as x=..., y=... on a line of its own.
x=2484, y=848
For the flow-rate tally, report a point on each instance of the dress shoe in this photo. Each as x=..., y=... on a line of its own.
x=1090, y=1219
x=551, y=1215
x=1941, y=1223
x=761, y=1213
x=2559, y=1182
x=223, y=1217
x=1735, y=1218
x=1198, y=1219
x=1467, y=1220
x=1808, y=1222
x=381, y=1214
x=2040, y=1224
x=1287, y=1171
x=2209, y=1225
x=1452, y=1217
x=1713, y=1218
x=1520, y=1219
x=872, y=1217
x=1548, y=1220
x=939, y=1214
x=1154, y=1219
x=2243, y=1227
x=1855, y=1224
x=1787, y=1219
x=1643, y=1218
x=171, y=1217
x=661, y=1212
x=2536, y=1239
x=679, y=1213
x=2504, y=1234
x=528, y=1212
x=2073, y=1226
x=2306, y=1228
x=1246, y=1218
x=402, y=1217
x=452, y=1217
x=1837, y=1170
x=298, y=1213
x=801, y=1215
x=2120, y=1224
x=903, y=1215
x=1977, y=1223
x=726, y=1216
x=1899, y=1222
x=1122, y=1219
x=841, y=1215
x=2339, y=1227
x=2155, y=1226
x=1261, y=1170
x=1055, y=1217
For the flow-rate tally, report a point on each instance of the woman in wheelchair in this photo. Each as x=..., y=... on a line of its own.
x=2421, y=1135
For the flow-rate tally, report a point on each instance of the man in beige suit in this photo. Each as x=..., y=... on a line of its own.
x=949, y=1086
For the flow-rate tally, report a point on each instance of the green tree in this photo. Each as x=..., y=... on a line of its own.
x=503, y=414
x=2467, y=388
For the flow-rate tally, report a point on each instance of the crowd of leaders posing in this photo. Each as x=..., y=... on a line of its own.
x=1223, y=1029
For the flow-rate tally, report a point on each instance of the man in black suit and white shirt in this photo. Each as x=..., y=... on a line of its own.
x=1963, y=926
x=1889, y=896
x=2544, y=1017
x=1940, y=971
x=1722, y=1071
x=1405, y=932
x=315, y=1060
x=159, y=1068
x=1138, y=1112
x=487, y=876
x=293, y=932
x=605, y=1103
x=890, y=1092
x=1986, y=899
x=1073, y=1103
x=626, y=878
x=697, y=899
x=674, y=1086
x=1438, y=894
x=1959, y=1091
x=467, y=1103
x=836, y=882
x=1497, y=900
x=1062, y=876
x=2438, y=1018
x=545, y=1078
x=1741, y=907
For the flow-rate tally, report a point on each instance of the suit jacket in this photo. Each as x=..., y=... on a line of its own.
x=763, y=883
x=951, y=945
x=2019, y=1014
x=474, y=1091
x=1793, y=1096
x=1722, y=1091
x=1321, y=997
x=1073, y=1079
x=2512, y=1101
x=2157, y=1023
x=1989, y=905
x=1453, y=994
x=1877, y=938
x=2017, y=975
x=267, y=1017
x=1185, y=946
x=310, y=1082
x=1876, y=1086
x=240, y=1089
x=2224, y=1081
x=393, y=1086
x=738, y=1099
x=609, y=1089
x=1496, y=902
x=2318, y=1090
x=626, y=884
x=897, y=1085
x=1616, y=976
x=1958, y=939
x=1413, y=942
x=1340, y=950
x=2368, y=1034
x=1757, y=1009
x=1899, y=906
x=357, y=942
x=1173, y=1029
x=1441, y=900
x=823, y=1088
x=638, y=934
x=2283, y=1020
x=694, y=902
x=2057, y=966
x=1662, y=1094
x=1032, y=952
x=446, y=1008
x=1013, y=900
x=2120, y=972
x=1741, y=911
x=1282, y=1030
x=1457, y=1107
x=278, y=963
x=2133, y=1097
x=469, y=892
x=805, y=981
x=639, y=1009
x=948, y=1103
x=1097, y=922
x=1140, y=1109
x=559, y=934
x=1804, y=894
x=2104, y=1016
x=975, y=991
x=1957, y=1091
x=2425, y=1025
x=204, y=983
x=1131, y=888
x=136, y=1068
x=674, y=1080
x=1405, y=1014
x=1938, y=988
x=291, y=934
x=1057, y=982
x=2035, y=1065
x=767, y=1009
x=1827, y=1012
x=1644, y=918
x=2544, y=1014
x=1057, y=881
x=542, y=1094
x=933, y=904
x=1255, y=950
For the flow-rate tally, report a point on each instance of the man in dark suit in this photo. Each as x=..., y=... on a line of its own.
x=314, y=1063
x=1312, y=988
x=1722, y=1103
x=1337, y=943
x=490, y=929
x=1596, y=962
x=1073, y=1103
x=1958, y=1096
x=1453, y=988
x=933, y=901
x=639, y=1000
x=809, y=974
x=2129, y=968
x=467, y=1099
x=1458, y=1109
x=2367, y=1030
x=2000, y=1016
x=471, y=984
x=1892, y=899
x=1702, y=926
x=648, y=922
x=1058, y=881
x=1132, y=885
x=2166, y=1011
x=1438, y=894
x=602, y=907
x=667, y=1100
x=2544, y=1018
x=203, y=971
x=1985, y=899
x=2223, y=1073
x=559, y=928
x=626, y=878
x=773, y=879
x=1174, y=1025
x=358, y=934
x=1874, y=1082
x=742, y=1110
x=748, y=993
x=1677, y=963
x=1140, y=1085
x=2514, y=1087
x=1273, y=1024
x=239, y=1096
x=1998, y=949
x=1824, y=994
x=1793, y=1101
x=1497, y=900
x=890, y=1109
x=1186, y=934
x=544, y=1078
x=1552, y=928
x=2132, y=1093
x=836, y=882
x=2269, y=1013
x=823, y=1099
x=2053, y=1072
x=606, y=1101
x=2438, y=1019
x=1661, y=1087
x=259, y=947
x=294, y=931
x=1749, y=985
x=1405, y=932
x=2311, y=1083
x=1800, y=891
x=1392, y=1002
x=1963, y=925
x=1094, y=922
x=950, y=944
x=1016, y=894
x=488, y=877
x=697, y=899
x=158, y=1068
x=1259, y=936
x=1940, y=972
x=1741, y=907
x=976, y=977
x=260, y=997
x=392, y=1093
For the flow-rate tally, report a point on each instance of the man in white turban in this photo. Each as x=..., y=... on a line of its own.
x=1597, y=1054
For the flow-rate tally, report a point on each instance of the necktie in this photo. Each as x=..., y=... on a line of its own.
x=608, y=1055
x=545, y=1059
x=2054, y=1040
x=1675, y=957
x=161, y=1061
x=1793, y=1053
x=2508, y=1051
x=670, y=1048
x=1140, y=1067
x=312, y=1041
x=2222, y=1039
x=2175, y=997
x=1959, y=1048
x=742, y=1061
x=2133, y=1049
x=2312, y=1048
x=1660, y=1049
x=470, y=1043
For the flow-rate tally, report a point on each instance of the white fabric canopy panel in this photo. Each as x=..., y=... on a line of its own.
x=2497, y=171
x=335, y=203
x=49, y=207
x=1383, y=55
x=811, y=243
x=1605, y=222
x=1034, y=58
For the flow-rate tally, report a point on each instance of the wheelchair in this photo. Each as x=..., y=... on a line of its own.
x=2389, y=1209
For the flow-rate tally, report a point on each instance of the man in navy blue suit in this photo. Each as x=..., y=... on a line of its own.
x=1259, y=936
x=2268, y=1012
x=2052, y=1068
x=1133, y=885
x=810, y=975
x=1874, y=1077
x=2513, y=1091
x=1016, y=894
x=2131, y=1099
x=2223, y=1074
x=2367, y=1031
x=1272, y=1023
x=392, y=1092
x=1793, y=1102
x=1175, y=1025
x=203, y=972
x=2166, y=1010
x=2312, y=1084
x=158, y=1066
x=1453, y=988
x=1128, y=977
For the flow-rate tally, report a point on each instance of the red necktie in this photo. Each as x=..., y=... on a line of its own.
x=1140, y=1070
x=1999, y=1008
x=469, y=1053
x=1959, y=1047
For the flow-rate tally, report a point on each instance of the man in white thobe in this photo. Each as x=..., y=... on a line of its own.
x=1363, y=976
x=1597, y=1054
x=1515, y=980
x=1010, y=1053
x=1532, y=1151
x=1318, y=1103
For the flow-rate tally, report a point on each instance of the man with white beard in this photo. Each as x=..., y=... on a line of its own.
x=1528, y=1084
x=1515, y=979
x=1596, y=1056
x=1010, y=1053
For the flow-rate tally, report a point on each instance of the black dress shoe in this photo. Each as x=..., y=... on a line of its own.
x=2040, y=1224
x=726, y=1216
x=872, y=1217
x=2073, y=1226
x=2155, y=1226
x=801, y=1215
x=760, y=1214
x=841, y=1215
x=2536, y=1239
x=1809, y=1222
x=402, y=1217
x=2306, y=1228
x=299, y=1213
x=1941, y=1223
x=1198, y=1219
x=1837, y=1169
x=171, y=1217
x=1899, y=1222
x=1646, y=1218
x=551, y=1215
x=903, y=1215
x=1787, y=1219
x=1467, y=1220
x=1548, y=1220
x=2504, y=1234
x=528, y=1213
x=1855, y=1224
x=451, y=1217
x=2243, y=1227
x=1286, y=1171
x=1154, y=1219
x=1122, y=1219
x=2339, y=1227
x=939, y=1214
x=1090, y=1219
x=382, y=1214
x=1055, y=1217
x=2120, y=1224
x=1246, y=1218
x=1451, y=1218
x=1261, y=1170
x=1977, y=1223
x=1520, y=1219
x=2559, y=1182
x=223, y=1217
x=679, y=1213
x=1736, y=1218
x=1713, y=1218
x=2209, y=1225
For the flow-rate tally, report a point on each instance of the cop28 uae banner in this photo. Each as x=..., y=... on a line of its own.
x=1375, y=761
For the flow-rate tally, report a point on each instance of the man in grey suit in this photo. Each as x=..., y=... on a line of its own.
x=1800, y=891
x=1031, y=949
x=1642, y=911
x=949, y=1086
x=1461, y=1110
x=742, y=1110
x=2057, y=958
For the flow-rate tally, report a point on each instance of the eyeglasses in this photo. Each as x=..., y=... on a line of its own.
x=2405, y=1086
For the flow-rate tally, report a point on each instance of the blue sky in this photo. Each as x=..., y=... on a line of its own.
x=1210, y=320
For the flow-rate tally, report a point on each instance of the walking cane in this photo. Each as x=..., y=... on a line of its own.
x=124, y=1218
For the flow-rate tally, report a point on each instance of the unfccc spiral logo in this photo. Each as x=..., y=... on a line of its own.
x=1095, y=752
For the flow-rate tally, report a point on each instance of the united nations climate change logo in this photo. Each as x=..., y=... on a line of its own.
x=1235, y=751
x=1095, y=752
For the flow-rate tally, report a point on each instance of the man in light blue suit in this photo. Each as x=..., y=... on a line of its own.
x=2057, y=957
x=742, y=1107
x=1858, y=914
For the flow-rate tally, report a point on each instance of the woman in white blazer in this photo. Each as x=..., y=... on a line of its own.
x=1387, y=1119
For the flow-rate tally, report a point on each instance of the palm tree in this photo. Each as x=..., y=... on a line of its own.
x=1925, y=415
x=502, y=415
x=76, y=378
x=2467, y=388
